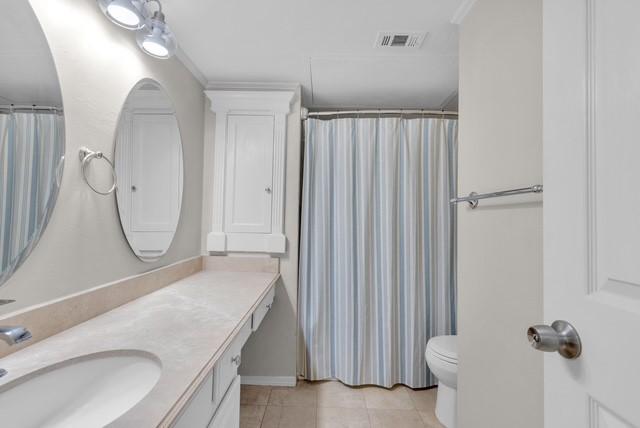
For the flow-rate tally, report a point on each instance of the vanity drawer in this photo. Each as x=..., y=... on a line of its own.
x=228, y=414
x=226, y=368
x=198, y=411
x=262, y=309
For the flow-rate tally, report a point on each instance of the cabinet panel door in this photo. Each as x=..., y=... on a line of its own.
x=198, y=411
x=249, y=173
x=228, y=413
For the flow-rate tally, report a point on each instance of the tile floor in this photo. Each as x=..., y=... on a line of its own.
x=334, y=405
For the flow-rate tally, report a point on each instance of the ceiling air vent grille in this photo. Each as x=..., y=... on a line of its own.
x=400, y=40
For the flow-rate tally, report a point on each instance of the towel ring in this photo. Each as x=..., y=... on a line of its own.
x=86, y=156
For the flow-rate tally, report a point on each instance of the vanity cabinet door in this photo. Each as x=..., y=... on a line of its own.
x=228, y=414
x=198, y=411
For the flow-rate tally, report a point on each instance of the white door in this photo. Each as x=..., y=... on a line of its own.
x=156, y=182
x=249, y=174
x=591, y=60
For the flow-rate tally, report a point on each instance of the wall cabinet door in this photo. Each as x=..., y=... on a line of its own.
x=249, y=174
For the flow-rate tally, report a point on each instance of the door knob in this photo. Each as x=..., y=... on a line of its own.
x=268, y=190
x=560, y=337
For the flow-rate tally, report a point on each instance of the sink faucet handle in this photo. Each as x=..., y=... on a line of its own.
x=14, y=335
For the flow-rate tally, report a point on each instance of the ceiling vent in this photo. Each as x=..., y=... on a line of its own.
x=400, y=40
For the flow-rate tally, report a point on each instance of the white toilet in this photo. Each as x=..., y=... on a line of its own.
x=442, y=359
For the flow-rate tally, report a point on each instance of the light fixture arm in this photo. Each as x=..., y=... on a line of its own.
x=156, y=2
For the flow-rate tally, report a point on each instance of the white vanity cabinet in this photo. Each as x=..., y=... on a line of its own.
x=216, y=403
x=249, y=170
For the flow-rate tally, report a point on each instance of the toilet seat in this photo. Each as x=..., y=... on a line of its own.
x=444, y=348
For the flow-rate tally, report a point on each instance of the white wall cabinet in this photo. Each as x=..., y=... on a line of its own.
x=249, y=170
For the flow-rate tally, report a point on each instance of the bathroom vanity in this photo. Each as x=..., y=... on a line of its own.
x=190, y=332
x=216, y=403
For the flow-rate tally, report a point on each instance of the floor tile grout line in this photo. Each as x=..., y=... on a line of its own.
x=265, y=408
x=369, y=418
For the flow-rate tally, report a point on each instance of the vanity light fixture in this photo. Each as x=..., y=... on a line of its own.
x=125, y=13
x=153, y=34
x=155, y=38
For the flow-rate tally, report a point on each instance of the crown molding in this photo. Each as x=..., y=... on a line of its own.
x=232, y=100
x=189, y=65
x=462, y=12
x=251, y=86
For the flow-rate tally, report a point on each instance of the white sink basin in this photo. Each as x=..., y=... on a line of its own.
x=89, y=391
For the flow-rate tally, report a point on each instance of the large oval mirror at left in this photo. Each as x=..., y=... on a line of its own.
x=31, y=134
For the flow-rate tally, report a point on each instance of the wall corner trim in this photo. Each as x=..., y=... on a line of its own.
x=461, y=13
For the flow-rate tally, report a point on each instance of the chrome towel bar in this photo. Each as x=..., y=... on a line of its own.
x=474, y=197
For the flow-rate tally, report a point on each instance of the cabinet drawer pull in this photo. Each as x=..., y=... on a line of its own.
x=270, y=305
x=236, y=360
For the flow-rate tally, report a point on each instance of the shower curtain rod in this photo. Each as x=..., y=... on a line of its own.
x=28, y=108
x=306, y=113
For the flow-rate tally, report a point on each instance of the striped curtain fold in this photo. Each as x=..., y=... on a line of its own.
x=377, y=255
x=31, y=159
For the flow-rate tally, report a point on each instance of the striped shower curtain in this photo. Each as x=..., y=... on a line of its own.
x=31, y=159
x=377, y=274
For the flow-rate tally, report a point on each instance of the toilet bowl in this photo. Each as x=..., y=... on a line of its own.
x=442, y=359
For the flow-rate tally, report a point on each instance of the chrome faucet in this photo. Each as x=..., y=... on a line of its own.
x=12, y=336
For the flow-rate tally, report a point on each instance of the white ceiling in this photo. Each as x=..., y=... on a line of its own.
x=326, y=46
x=28, y=75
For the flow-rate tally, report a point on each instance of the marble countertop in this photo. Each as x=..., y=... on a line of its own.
x=187, y=325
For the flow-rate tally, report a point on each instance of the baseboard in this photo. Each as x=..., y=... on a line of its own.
x=269, y=380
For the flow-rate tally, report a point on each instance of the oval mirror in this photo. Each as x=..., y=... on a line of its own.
x=31, y=134
x=148, y=160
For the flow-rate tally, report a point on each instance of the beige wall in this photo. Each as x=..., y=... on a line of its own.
x=500, y=243
x=98, y=63
x=271, y=351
